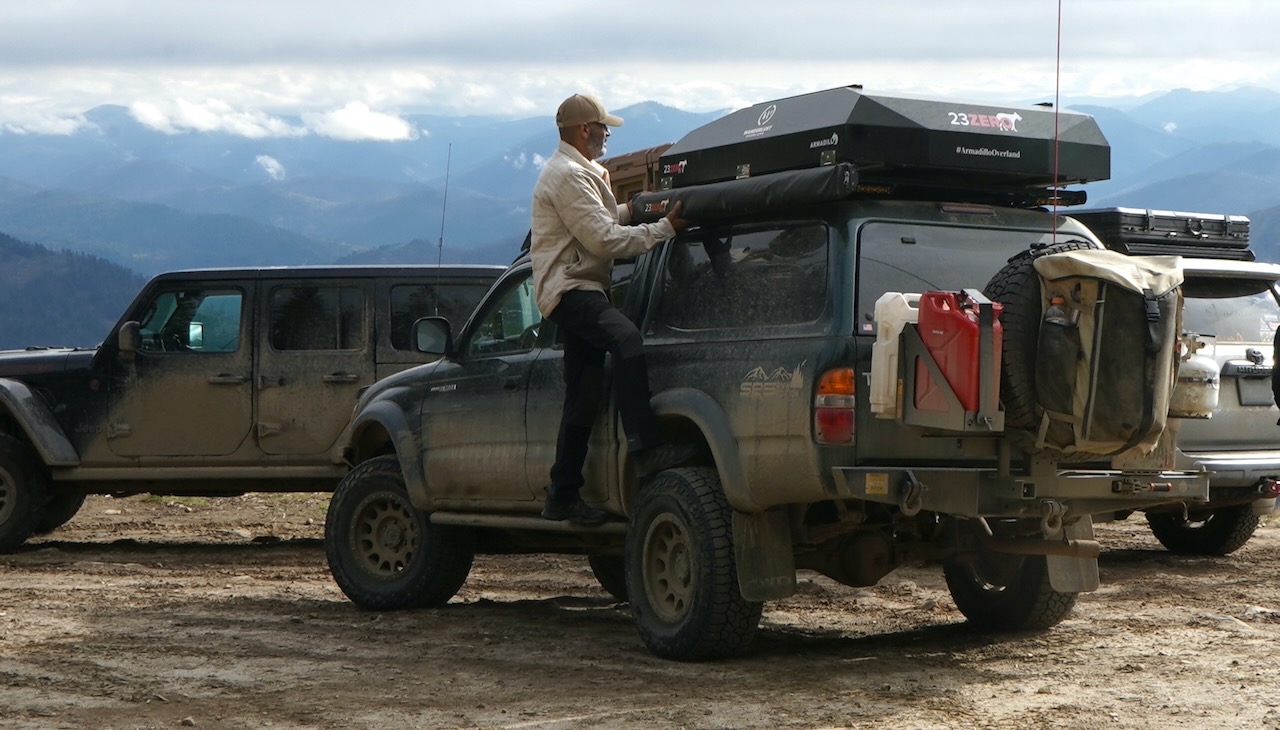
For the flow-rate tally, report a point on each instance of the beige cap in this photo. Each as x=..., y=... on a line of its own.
x=584, y=109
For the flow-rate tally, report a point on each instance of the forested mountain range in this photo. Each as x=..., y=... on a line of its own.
x=59, y=297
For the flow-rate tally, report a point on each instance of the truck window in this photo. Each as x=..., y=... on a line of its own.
x=192, y=320
x=510, y=323
x=902, y=257
x=745, y=278
x=412, y=302
x=307, y=317
x=1232, y=310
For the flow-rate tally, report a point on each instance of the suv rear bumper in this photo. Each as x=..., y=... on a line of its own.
x=985, y=493
x=1232, y=468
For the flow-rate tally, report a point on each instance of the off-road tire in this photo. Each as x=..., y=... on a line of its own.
x=61, y=505
x=1221, y=531
x=1017, y=287
x=681, y=574
x=1025, y=601
x=611, y=571
x=383, y=552
x=22, y=493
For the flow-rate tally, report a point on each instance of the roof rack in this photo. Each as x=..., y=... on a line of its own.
x=1171, y=233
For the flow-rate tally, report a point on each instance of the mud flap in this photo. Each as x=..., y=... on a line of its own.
x=766, y=560
x=1074, y=575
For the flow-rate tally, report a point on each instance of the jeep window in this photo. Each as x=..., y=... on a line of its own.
x=411, y=302
x=901, y=257
x=306, y=317
x=192, y=320
x=1234, y=309
x=509, y=323
x=745, y=278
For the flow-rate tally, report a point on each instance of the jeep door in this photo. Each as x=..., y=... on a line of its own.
x=403, y=300
x=188, y=392
x=315, y=353
x=473, y=420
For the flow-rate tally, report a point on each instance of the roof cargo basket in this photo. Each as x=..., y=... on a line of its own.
x=1172, y=233
x=895, y=143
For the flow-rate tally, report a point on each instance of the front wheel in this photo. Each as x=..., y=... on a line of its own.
x=383, y=552
x=998, y=592
x=681, y=576
x=22, y=493
x=63, y=504
x=1220, y=531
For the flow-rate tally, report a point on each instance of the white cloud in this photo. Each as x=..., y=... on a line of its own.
x=271, y=166
x=1170, y=127
x=173, y=116
x=357, y=121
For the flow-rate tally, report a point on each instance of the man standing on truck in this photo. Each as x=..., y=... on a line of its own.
x=578, y=230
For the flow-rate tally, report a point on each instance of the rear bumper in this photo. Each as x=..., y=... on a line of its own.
x=985, y=493
x=1232, y=468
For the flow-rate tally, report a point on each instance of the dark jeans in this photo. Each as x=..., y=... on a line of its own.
x=590, y=326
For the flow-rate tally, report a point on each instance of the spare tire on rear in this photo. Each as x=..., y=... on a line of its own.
x=1017, y=287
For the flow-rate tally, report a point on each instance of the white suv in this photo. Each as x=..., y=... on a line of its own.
x=1234, y=308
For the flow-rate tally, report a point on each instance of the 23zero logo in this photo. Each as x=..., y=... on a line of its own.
x=767, y=114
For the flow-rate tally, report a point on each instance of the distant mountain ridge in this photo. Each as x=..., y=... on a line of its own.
x=150, y=201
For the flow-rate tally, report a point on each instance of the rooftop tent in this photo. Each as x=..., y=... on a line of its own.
x=894, y=142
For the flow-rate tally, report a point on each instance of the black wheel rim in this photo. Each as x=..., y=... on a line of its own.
x=8, y=496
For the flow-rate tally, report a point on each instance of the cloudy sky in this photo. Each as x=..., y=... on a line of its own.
x=355, y=68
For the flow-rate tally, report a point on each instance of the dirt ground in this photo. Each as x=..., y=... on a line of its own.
x=152, y=612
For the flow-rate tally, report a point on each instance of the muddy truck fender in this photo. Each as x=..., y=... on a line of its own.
x=382, y=427
x=763, y=552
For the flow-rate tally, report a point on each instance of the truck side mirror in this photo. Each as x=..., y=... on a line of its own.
x=129, y=341
x=433, y=336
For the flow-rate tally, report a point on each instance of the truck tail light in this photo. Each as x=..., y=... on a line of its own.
x=1268, y=488
x=834, y=407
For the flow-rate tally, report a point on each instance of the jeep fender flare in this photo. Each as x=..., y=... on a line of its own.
x=387, y=416
x=36, y=420
x=700, y=409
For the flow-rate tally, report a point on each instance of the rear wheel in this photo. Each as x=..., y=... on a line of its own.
x=681, y=575
x=611, y=571
x=22, y=493
x=998, y=592
x=1219, y=531
x=383, y=552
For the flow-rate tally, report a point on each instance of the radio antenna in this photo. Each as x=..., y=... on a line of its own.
x=444, y=207
x=1057, y=110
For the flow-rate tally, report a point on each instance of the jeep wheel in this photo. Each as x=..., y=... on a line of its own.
x=681, y=575
x=998, y=592
x=63, y=504
x=382, y=551
x=22, y=493
x=611, y=571
x=1219, y=531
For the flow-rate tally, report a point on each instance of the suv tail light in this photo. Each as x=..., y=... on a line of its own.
x=834, y=407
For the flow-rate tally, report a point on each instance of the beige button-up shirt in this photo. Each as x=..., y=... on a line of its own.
x=579, y=229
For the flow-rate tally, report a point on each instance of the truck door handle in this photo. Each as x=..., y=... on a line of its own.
x=512, y=383
x=227, y=379
x=340, y=378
